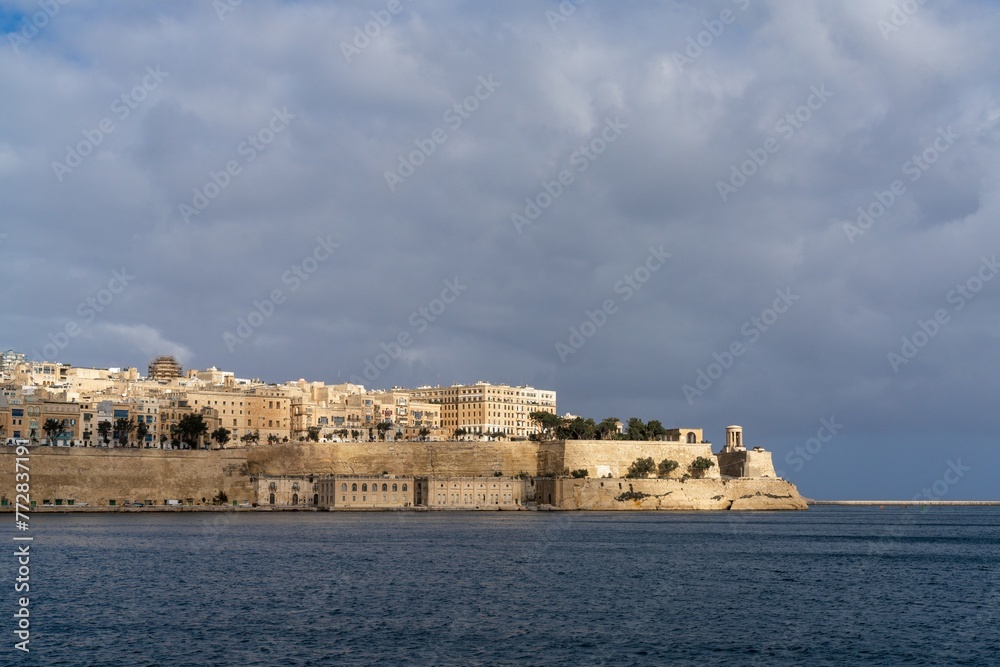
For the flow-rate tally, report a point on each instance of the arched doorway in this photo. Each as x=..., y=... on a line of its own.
x=272, y=498
x=295, y=499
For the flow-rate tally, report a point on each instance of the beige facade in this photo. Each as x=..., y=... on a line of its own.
x=483, y=408
x=286, y=490
x=471, y=493
x=366, y=492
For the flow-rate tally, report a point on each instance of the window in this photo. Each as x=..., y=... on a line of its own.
x=385, y=487
x=343, y=487
x=394, y=488
x=364, y=487
x=354, y=487
x=404, y=487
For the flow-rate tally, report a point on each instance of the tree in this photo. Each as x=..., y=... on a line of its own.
x=700, y=465
x=382, y=427
x=636, y=430
x=272, y=439
x=221, y=436
x=355, y=434
x=641, y=467
x=579, y=474
x=342, y=433
x=607, y=429
x=423, y=433
x=655, y=430
x=52, y=428
x=666, y=467
x=547, y=422
x=141, y=431
x=123, y=430
x=191, y=428
x=221, y=498
x=104, y=430
x=312, y=433
x=250, y=438
x=460, y=433
x=577, y=428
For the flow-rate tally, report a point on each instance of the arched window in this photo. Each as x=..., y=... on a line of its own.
x=295, y=499
x=343, y=487
x=354, y=487
x=385, y=487
x=691, y=438
x=364, y=487
x=394, y=487
x=404, y=487
x=315, y=499
x=272, y=498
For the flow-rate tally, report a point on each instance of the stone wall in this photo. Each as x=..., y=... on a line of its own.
x=603, y=457
x=669, y=494
x=418, y=459
x=97, y=475
x=749, y=463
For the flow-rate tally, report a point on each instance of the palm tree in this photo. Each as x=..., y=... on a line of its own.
x=123, y=429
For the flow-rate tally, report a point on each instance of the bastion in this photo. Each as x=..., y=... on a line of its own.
x=99, y=477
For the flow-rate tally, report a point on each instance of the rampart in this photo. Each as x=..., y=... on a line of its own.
x=97, y=476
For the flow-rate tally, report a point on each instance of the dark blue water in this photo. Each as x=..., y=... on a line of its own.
x=832, y=586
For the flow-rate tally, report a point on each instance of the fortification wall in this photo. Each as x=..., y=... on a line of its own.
x=446, y=459
x=97, y=475
x=603, y=457
x=669, y=494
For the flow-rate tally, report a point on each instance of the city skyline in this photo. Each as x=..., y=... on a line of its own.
x=769, y=214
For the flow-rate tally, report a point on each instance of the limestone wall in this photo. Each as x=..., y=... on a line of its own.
x=419, y=459
x=603, y=457
x=669, y=494
x=97, y=475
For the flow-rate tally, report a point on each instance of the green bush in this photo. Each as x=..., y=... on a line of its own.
x=666, y=467
x=641, y=468
x=579, y=474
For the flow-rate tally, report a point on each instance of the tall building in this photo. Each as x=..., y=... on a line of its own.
x=164, y=368
x=484, y=408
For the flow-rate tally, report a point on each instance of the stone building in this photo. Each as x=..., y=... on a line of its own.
x=471, y=493
x=366, y=492
x=484, y=408
x=164, y=368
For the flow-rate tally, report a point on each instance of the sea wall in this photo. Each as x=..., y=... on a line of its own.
x=97, y=475
x=669, y=494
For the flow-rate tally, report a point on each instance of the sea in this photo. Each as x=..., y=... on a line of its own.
x=829, y=586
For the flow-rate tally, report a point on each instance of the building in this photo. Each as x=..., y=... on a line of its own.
x=164, y=368
x=366, y=492
x=471, y=493
x=483, y=409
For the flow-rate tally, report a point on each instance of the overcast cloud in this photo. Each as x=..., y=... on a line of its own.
x=218, y=156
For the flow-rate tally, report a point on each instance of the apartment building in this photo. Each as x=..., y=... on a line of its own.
x=484, y=408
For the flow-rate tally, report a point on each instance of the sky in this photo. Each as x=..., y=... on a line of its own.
x=781, y=215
